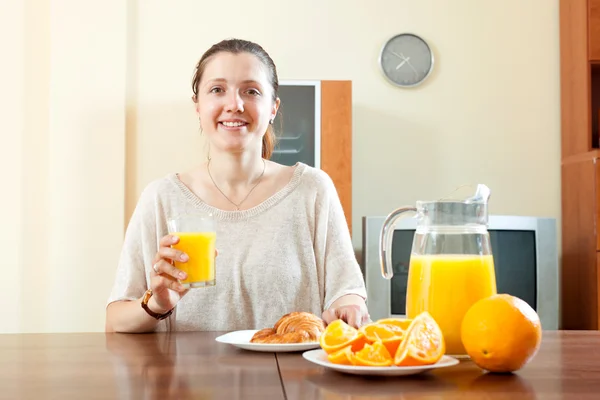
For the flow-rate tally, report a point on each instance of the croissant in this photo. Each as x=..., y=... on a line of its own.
x=295, y=327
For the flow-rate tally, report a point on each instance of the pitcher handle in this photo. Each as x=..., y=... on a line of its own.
x=385, y=240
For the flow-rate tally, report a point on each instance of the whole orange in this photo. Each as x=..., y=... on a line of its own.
x=501, y=333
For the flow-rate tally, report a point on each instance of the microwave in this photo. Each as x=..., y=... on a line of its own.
x=525, y=262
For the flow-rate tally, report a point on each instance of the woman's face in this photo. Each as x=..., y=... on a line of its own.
x=235, y=102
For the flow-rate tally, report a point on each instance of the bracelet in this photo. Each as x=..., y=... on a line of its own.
x=145, y=299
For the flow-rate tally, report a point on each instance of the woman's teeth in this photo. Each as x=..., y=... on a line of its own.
x=233, y=124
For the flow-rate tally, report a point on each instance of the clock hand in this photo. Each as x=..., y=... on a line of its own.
x=403, y=62
x=413, y=68
x=397, y=55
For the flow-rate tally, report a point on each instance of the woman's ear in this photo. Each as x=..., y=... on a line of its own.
x=276, y=104
x=195, y=100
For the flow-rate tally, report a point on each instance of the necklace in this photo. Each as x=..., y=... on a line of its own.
x=237, y=206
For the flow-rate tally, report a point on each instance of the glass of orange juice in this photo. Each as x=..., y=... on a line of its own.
x=197, y=237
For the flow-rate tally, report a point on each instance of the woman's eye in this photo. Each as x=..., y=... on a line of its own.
x=216, y=90
x=253, y=92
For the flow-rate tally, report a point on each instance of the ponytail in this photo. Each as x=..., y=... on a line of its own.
x=268, y=143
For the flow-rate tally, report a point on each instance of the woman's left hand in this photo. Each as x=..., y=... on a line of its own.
x=354, y=315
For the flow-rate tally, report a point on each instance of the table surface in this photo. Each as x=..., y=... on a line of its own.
x=192, y=365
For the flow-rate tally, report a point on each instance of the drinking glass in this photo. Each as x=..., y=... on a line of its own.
x=197, y=238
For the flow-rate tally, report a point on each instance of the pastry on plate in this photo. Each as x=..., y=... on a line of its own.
x=295, y=327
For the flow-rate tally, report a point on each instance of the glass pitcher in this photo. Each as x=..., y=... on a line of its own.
x=451, y=263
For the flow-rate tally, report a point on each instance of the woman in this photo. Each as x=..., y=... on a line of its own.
x=283, y=241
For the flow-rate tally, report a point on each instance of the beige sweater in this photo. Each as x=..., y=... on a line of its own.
x=293, y=252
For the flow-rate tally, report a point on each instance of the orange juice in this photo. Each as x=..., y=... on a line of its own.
x=447, y=286
x=200, y=248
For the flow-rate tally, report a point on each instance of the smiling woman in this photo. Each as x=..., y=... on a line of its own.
x=282, y=238
x=237, y=93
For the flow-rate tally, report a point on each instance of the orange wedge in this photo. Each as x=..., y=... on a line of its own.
x=401, y=323
x=373, y=355
x=342, y=356
x=338, y=335
x=393, y=343
x=423, y=344
x=374, y=332
x=390, y=335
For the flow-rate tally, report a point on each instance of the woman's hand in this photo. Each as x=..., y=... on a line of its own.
x=166, y=289
x=351, y=309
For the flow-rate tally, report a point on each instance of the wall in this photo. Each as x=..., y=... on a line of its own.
x=104, y=107
x=63, y=196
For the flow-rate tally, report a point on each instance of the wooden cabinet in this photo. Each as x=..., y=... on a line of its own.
x=594, y=29
x=580, y=242
x=314, y=126
x=580, y=163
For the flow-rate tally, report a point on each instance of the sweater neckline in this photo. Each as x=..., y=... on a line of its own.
x=242, y=214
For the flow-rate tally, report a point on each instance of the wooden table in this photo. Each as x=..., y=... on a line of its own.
x=194, y=366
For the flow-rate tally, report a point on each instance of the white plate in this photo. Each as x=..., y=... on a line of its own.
x=241, y=339
x=320, y=357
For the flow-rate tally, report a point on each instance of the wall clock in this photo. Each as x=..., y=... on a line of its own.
x=406, y=60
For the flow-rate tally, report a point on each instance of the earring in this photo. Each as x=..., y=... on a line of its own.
x=271, y=121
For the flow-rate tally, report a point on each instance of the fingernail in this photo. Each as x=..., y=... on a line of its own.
x=184, y=257
x=182, y=275
x=174, y=239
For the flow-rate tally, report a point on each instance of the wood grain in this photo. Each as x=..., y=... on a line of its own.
x=133, y=366
x=191, y=365
x=597, y=200
x=598, y=290
x=566, y=367
x=336, y=139
x=579, y=294
x=594, y=29
x=575, y=78
x=581, y=157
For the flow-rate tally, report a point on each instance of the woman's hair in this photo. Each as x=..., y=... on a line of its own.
x=237, y=46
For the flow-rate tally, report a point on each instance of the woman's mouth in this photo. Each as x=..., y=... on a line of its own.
x=233, y=124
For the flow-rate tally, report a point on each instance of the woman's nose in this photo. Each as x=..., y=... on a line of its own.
x=235, y=102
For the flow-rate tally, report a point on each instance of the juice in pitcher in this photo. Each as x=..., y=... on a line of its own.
x=446, y=286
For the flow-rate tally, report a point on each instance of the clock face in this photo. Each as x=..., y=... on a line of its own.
x=406, y=60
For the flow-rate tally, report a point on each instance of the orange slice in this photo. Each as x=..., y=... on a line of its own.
x=375, y=331
x=338, y=335
x=401, y=323
x=373, y=355
x=390, y=335
x=423, y=344
x=342, y=356
x=393, y=343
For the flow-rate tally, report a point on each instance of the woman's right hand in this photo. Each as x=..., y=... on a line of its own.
x=166, y=289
